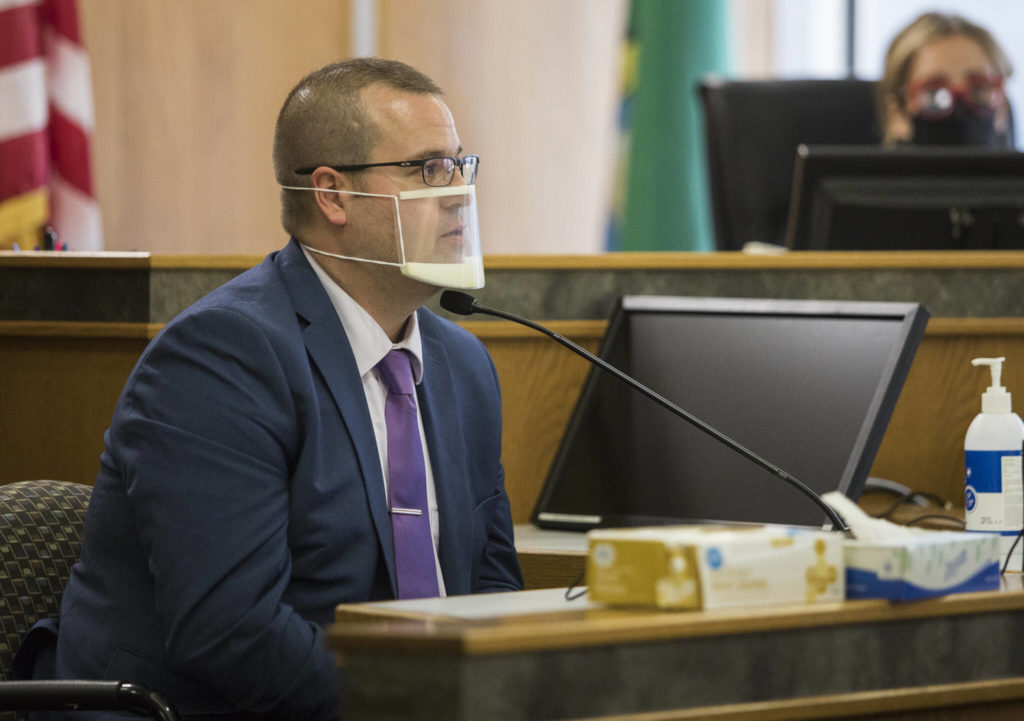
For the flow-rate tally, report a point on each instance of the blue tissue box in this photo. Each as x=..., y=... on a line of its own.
x=924, y=566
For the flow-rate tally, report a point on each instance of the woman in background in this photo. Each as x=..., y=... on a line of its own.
x=943, y=84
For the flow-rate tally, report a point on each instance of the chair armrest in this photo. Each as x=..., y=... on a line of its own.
x=84, y=695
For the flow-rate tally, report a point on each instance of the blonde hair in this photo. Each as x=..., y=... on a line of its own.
x=323, y=122
x=905, y=46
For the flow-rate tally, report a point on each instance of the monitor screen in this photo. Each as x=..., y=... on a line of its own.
x=807, y=385
x=915, y=198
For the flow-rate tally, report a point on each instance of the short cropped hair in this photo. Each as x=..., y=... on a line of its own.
x=924, y=30
x=323, y=122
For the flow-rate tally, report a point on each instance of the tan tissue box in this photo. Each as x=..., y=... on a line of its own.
x=694, y=567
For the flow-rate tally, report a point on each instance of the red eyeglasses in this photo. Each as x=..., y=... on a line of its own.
x=935, y=98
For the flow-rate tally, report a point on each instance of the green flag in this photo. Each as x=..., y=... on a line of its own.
x=674, y=43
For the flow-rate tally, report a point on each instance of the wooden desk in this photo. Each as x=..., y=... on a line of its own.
x=550, y=559
x=536, y=656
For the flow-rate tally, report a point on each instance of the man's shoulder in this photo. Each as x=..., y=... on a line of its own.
x=255, y=304
x=260, y=292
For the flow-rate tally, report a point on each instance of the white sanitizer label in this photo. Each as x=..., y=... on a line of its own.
x=994, y=496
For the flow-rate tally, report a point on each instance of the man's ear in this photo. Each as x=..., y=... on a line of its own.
x=332, y=205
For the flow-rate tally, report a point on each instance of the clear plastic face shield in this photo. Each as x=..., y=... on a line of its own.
x=431, y=233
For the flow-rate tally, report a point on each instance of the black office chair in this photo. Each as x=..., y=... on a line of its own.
x=40, y=540
x=752, y=130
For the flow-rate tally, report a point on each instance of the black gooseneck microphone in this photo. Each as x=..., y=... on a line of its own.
x=464, y=304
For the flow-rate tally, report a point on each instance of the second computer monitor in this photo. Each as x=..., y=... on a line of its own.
x=861, y=198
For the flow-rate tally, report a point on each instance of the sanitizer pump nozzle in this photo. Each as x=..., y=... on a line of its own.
x=995, y=399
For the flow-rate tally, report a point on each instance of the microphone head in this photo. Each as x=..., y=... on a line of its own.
x=459, y=303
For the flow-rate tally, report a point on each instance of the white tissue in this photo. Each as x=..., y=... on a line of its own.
x=884, y=560
x=864, y=527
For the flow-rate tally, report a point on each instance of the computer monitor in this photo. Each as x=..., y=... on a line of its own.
x=915, y=198
x=807, y=385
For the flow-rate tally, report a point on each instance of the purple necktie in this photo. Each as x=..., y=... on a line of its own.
x=407, y=484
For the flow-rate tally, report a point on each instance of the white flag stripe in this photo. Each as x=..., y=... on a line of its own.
x=70, y=82
x=75, y=216
x=23, y=88
x=11, y=4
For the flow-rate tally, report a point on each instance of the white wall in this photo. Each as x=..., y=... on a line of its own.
x=534, y=86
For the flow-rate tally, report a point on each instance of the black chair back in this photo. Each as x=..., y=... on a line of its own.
x=752, y=130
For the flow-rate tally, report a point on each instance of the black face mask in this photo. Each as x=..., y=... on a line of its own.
x=960, y=127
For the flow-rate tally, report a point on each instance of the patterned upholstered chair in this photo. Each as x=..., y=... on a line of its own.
x=40, y=540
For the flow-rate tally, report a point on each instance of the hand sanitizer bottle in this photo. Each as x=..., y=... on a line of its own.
x=994, y=493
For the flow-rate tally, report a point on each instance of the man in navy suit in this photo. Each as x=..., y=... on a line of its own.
x=243, y=492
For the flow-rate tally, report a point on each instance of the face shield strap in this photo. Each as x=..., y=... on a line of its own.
x=351, y=257
x=424, y=260
x=398, y=220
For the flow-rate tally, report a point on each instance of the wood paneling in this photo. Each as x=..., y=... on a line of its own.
x=59, y=383
x=186, y=96
x=922, y=447
x=540, y=382
x=924, y=444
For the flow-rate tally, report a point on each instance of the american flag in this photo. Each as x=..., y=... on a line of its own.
x=46, y=120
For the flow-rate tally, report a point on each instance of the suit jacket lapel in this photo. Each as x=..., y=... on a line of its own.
x=329, y=348
x=442, y=424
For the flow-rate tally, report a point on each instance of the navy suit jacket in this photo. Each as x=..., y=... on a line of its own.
x=240, y=498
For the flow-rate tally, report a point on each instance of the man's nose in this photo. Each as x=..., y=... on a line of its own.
x=457, y=178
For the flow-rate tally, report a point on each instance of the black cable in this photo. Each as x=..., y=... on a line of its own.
x=910, y=496
x=1010, y=553
x=569, y=595
x=903, y=498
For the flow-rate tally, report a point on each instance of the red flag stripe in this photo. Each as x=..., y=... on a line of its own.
x=19, y=35
x=62, y=15
x=25, y=164
x=69, y=149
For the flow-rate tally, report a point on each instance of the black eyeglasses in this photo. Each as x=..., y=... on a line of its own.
x=437, y=172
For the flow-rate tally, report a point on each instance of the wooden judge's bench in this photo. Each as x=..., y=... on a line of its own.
x=535, y=656
x=72, y=327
